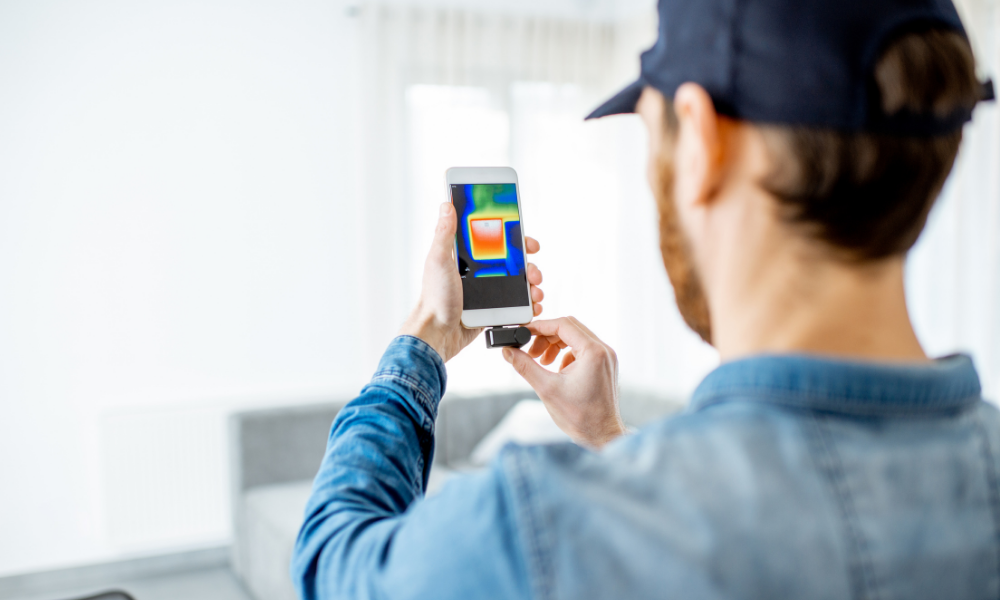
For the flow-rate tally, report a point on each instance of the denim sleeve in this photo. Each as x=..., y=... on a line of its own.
x=368, y=532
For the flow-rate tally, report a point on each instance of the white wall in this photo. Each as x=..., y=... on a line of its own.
x=176, y=236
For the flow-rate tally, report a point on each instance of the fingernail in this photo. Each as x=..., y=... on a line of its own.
x=444, y=209
x=508, y=355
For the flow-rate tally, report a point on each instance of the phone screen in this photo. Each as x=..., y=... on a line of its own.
x=490, y=254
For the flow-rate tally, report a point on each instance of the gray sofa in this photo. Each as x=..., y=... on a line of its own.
x=275, y=453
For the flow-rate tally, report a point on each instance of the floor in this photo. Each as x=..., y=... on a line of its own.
x=217, y=583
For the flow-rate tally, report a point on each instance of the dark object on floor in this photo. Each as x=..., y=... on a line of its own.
x=112, y=595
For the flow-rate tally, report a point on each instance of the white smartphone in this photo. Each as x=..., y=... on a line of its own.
x=489, y=246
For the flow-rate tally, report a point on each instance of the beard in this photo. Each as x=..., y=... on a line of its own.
x=678, y=257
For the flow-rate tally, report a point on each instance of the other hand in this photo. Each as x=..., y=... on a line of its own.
x=437, y=318
x=583, y=396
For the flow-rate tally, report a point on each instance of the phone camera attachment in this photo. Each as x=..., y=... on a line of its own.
x=501, y=337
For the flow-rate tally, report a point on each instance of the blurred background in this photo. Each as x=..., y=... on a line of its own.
x=212, y=206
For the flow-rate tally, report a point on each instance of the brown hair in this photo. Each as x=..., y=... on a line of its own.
x=867, y=196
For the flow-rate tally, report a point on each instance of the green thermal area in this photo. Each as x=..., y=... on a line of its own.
x=484, y=199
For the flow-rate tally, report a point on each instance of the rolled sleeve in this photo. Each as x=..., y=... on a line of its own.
x=413, y=370
x=377, y=464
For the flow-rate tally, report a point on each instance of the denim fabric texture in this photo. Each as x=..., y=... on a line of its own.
x=786, y=477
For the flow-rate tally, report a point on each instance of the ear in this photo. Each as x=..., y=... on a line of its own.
x=699, y=152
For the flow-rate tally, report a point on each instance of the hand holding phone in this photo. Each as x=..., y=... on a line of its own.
x=437, y=317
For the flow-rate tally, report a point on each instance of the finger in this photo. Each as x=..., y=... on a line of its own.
x=555, y=341
x=537, y=295
x=566, y=329
x=551, y=353
x=534, y=275
x=567, y=360
x=444, y=235
x=536, y=375
x=537, y=308
x=538, y=346
x=551, y=340
x=584, y=328
x=531, y=244
x=541, y=344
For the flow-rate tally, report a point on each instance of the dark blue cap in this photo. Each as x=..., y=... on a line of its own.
x=794, y=62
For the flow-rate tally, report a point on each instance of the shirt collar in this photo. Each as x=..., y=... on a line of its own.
x=844, y=386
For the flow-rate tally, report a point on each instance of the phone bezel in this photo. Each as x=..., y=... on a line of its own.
x=491, y=317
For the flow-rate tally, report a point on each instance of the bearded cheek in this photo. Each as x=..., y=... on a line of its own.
x=688, y=291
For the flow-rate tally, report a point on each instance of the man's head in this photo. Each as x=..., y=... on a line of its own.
x=854, y=197
x=808, y=129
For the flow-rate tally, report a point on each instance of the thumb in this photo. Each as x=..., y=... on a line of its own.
x=444, y=235
x=535, y=374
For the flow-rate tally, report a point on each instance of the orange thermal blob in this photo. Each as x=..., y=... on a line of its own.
x=487, y=239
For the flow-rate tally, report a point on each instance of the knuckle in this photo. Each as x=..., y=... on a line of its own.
x=612, y=355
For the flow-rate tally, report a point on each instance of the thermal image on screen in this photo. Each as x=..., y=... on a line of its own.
x=489, y=230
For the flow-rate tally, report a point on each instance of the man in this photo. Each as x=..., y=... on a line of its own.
x=795, y=149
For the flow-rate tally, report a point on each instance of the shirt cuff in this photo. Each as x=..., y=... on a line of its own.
x=411, y=362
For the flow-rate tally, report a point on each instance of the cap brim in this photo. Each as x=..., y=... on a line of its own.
x=621, y=103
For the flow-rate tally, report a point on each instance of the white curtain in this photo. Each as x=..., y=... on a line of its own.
x=953, y=273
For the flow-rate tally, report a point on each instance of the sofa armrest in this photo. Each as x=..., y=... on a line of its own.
x=278, y=445
x=269, y=447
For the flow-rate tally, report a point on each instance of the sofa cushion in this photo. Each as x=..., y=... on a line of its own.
x=272, y=517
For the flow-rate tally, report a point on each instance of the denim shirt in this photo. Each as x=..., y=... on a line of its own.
x=787, y=477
